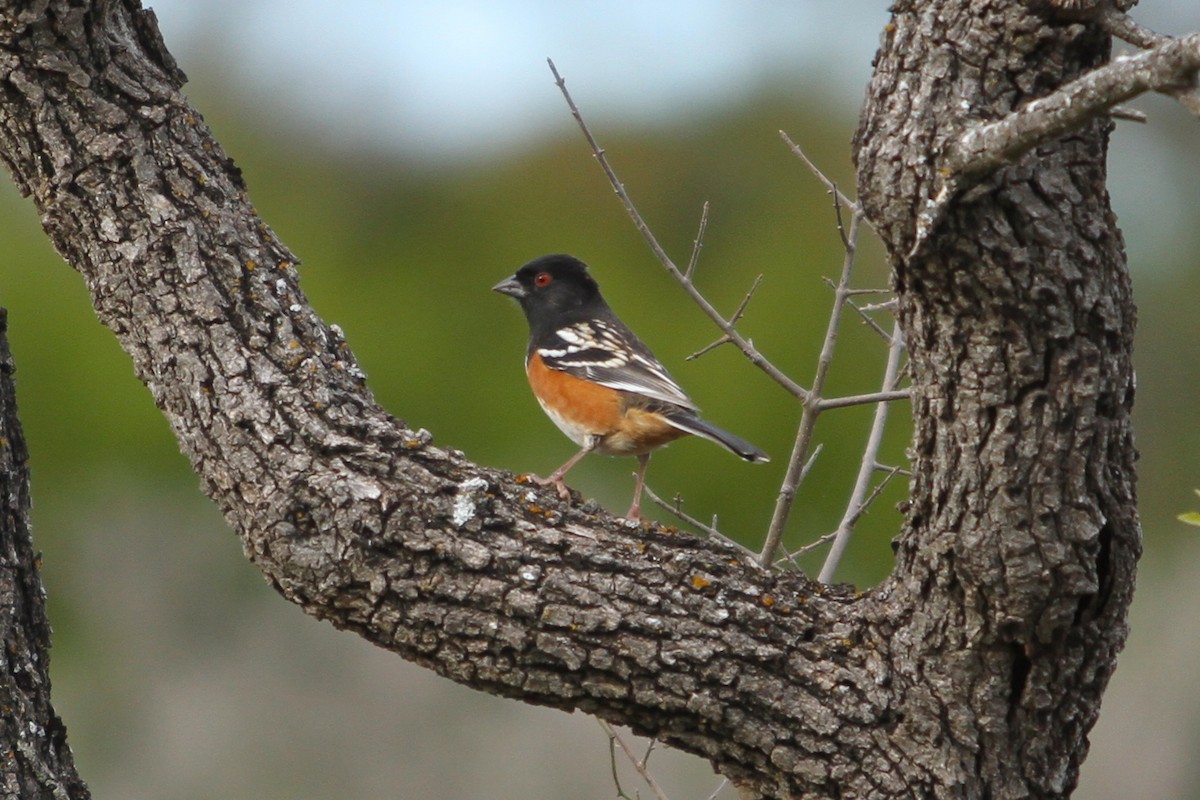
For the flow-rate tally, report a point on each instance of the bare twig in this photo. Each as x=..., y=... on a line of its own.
x=639, y=765
x=741, y=309
x=867, y=467
x=708, y=348
x=812, y=407
x=826, y=404
x=829, y=537
x=717, y=791
x=707, y=530
x=864, y=312
x=612, y=760
x=841, y=223
x=813, y=545
x=697, y=244
x=745, y=345
x=733, y=320
x=821, y=176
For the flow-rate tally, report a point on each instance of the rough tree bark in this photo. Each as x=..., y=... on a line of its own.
x=974, y=671
x=34, y=759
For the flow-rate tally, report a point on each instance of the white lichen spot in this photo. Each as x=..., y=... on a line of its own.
x=363, y=490
x=529, y=573
x=464, y=502
x=109, y=230
x=464, y=509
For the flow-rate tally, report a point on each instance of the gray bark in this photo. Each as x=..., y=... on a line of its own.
x=975, y=671
x=35, y=761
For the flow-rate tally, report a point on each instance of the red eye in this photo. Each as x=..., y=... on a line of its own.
x=543, y=279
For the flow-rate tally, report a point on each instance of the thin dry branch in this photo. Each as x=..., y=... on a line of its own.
x=842, y=198
x=711, y=531
x=858, y=497
x=869, y=321
x=812, y=409
x=745, y=345
x=697, y=244
x=892, y=395
x=733, y=320
x=638, y=764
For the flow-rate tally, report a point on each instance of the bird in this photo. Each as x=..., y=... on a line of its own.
x=595, y=378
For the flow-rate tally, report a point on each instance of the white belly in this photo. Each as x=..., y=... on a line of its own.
x=576, y=433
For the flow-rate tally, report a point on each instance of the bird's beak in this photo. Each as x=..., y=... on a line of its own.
x=510, y=287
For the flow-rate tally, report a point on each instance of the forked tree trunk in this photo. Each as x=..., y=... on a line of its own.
x=975, y=671
x=1016, y=563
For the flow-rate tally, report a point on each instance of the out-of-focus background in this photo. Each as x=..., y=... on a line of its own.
x=414, y=154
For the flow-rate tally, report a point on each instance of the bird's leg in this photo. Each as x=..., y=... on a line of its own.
x=635, y=510
x=556, y=477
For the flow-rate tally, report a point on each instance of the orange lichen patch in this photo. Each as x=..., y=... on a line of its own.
x=768, y=601
x=700, y=582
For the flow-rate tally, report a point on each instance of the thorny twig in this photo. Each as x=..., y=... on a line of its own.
x=733, y=320
x=697, y=243
x=676, y=508
x=638, y=764
x=745, y=345
x=812, y=404
x=866, y=468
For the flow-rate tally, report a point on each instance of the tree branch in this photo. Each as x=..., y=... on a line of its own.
x=866, y=469
x=983, y=148
x=37, y=761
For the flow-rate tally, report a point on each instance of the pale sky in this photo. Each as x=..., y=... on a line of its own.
x=457, y=78
x=450, y=76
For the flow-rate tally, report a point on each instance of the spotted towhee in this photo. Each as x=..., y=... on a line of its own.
x=595, y=379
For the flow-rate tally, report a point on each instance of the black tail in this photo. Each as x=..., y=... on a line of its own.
x=734, y=444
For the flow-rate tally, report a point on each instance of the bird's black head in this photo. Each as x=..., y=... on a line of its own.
x=554, y=290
